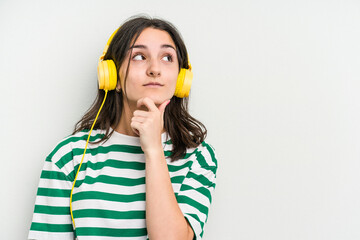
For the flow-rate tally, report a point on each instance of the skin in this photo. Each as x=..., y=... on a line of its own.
x=155, y=62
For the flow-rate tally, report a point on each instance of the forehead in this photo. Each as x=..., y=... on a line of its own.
x=152, y=37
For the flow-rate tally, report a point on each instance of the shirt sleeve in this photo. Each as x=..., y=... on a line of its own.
x=195, y=195
x=51, y=218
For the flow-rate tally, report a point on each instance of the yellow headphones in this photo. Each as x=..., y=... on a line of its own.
x=107, y=75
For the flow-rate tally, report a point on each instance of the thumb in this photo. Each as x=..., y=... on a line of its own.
x=163, y=106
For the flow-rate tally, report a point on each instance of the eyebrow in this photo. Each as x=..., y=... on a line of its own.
x=145, y=47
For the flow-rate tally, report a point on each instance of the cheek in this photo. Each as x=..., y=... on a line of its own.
x=173, y=84
x=174, y=77
x=133, y=78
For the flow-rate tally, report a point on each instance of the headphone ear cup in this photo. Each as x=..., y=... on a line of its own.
x=183, y=83
x=107, y=76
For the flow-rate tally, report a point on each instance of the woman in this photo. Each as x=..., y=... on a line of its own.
x=147, y=172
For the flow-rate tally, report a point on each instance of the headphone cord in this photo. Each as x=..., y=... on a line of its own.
x=72, y=217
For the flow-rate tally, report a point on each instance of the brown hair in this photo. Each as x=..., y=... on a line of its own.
x=184, y=130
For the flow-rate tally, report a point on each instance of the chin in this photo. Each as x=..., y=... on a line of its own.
x=159, y=99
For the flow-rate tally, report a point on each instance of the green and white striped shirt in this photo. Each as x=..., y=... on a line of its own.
x=109, y=195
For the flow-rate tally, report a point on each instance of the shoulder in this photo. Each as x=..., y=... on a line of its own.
x=205, y=156
x=74, y=144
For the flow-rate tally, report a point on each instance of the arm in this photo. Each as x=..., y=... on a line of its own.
x=51, y=219
x=164, y=218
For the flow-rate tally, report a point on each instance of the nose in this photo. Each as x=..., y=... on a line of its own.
x=153, y=69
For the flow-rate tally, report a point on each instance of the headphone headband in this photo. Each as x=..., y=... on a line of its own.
x=107, y=44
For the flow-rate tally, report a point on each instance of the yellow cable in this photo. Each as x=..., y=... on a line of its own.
x=72, y=217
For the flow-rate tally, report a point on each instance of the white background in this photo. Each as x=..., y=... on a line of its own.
x=277, y=83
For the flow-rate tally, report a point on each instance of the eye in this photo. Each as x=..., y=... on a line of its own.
x=168, y=58
x=138, y=56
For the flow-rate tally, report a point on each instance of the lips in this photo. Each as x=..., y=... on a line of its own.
x=153, y=84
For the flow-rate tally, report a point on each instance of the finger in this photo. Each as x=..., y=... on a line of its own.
x=135, y=127
x=163, y=105
x=147, y=102
x=140, y=113
x=138, y=119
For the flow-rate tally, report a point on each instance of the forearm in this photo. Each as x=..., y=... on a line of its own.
x=164, y=218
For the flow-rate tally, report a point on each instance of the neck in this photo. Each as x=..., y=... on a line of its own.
x=123, y=126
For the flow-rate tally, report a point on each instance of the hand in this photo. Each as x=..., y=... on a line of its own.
x=149, y=124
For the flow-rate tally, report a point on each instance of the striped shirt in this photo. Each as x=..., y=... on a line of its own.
x=109, y=195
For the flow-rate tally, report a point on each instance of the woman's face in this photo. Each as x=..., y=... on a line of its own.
x=153, y=67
